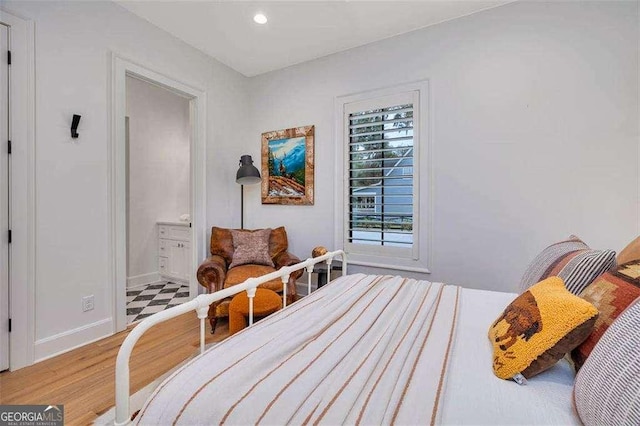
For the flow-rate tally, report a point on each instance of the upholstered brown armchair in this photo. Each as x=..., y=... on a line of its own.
x=214, y=273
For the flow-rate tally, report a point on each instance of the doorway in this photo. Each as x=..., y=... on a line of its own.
x=4, y=204
x=180, y=242
x=157, y=127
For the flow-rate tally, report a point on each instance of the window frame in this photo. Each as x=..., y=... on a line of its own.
x=415, y=258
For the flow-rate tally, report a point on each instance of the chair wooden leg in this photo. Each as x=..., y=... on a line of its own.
x=213, y=321
x=291, y=298
x=212, y=316
x=292, y=295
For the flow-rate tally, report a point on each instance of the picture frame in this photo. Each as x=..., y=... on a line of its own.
x=288, y=166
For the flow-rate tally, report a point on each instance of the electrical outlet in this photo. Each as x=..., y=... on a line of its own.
x=87, y=303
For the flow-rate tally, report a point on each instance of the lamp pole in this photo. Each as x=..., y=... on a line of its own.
x=241, y=206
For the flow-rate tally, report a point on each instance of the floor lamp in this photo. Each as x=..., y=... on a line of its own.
x=247, y=175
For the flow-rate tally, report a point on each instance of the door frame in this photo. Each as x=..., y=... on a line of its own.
x=122, y=67
x=5, y=170
x=22, y=214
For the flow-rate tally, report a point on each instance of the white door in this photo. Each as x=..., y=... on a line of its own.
x=174, y=261
x=4, y=198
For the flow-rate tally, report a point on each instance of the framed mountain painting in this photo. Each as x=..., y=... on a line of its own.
x=287, y=166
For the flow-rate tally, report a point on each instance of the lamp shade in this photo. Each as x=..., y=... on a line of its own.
x=247, y=173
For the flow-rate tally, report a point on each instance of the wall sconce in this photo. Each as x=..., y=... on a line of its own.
x=74, y=125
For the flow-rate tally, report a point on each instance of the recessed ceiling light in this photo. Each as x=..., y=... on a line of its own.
x=260, y=19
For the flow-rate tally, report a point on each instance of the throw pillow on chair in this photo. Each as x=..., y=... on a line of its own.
x=256, y=253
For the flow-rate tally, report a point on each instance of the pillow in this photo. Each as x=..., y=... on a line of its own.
x=251, y=247
x=573, y=261
x=538, y=328
x=630, y=252
x=611, y=294
x=222, y=242
x=607, y=388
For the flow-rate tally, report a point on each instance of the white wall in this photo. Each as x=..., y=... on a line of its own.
x=534, y=132
x=158, y=175
x=74, y=41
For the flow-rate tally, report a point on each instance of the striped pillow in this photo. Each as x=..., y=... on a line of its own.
x=607, y=388
x=573, y=261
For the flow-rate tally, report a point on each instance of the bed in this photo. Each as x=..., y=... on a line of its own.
x=365, y=349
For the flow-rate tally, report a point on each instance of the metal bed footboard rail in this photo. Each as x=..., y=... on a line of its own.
x=201, y=305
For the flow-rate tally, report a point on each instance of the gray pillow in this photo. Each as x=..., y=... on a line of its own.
x=251, y=247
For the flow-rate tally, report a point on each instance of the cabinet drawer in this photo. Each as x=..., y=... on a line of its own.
x=163, y=247
x=163, y=231
x=181, y=233
x=162, y=265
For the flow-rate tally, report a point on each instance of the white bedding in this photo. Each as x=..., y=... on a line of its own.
x=232, y=382
x=474, y=396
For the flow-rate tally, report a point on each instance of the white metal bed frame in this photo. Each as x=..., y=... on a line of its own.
x=201, y=305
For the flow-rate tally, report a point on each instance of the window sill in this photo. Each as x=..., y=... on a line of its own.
x=388, y=266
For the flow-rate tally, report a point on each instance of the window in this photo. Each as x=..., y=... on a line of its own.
x=381, y=146
x=380, y=151
x=364, y=202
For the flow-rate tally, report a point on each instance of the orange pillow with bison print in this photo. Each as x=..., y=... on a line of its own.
x=538, y=328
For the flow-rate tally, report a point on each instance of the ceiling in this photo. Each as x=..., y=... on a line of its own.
x=297, y=31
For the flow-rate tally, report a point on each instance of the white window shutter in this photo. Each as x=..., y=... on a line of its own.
x=381, y=180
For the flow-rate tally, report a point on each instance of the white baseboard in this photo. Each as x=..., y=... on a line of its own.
x=173, y=279
x=142, y=280
x=72, y=339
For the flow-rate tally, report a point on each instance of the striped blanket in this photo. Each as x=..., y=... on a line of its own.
x=362, y=350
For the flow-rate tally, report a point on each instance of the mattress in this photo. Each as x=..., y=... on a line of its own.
x=474, y=396
x=356, y=351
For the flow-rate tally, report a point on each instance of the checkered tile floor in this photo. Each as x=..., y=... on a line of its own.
x=154, y=298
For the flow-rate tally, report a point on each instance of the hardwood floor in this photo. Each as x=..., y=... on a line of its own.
x=84, y=379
